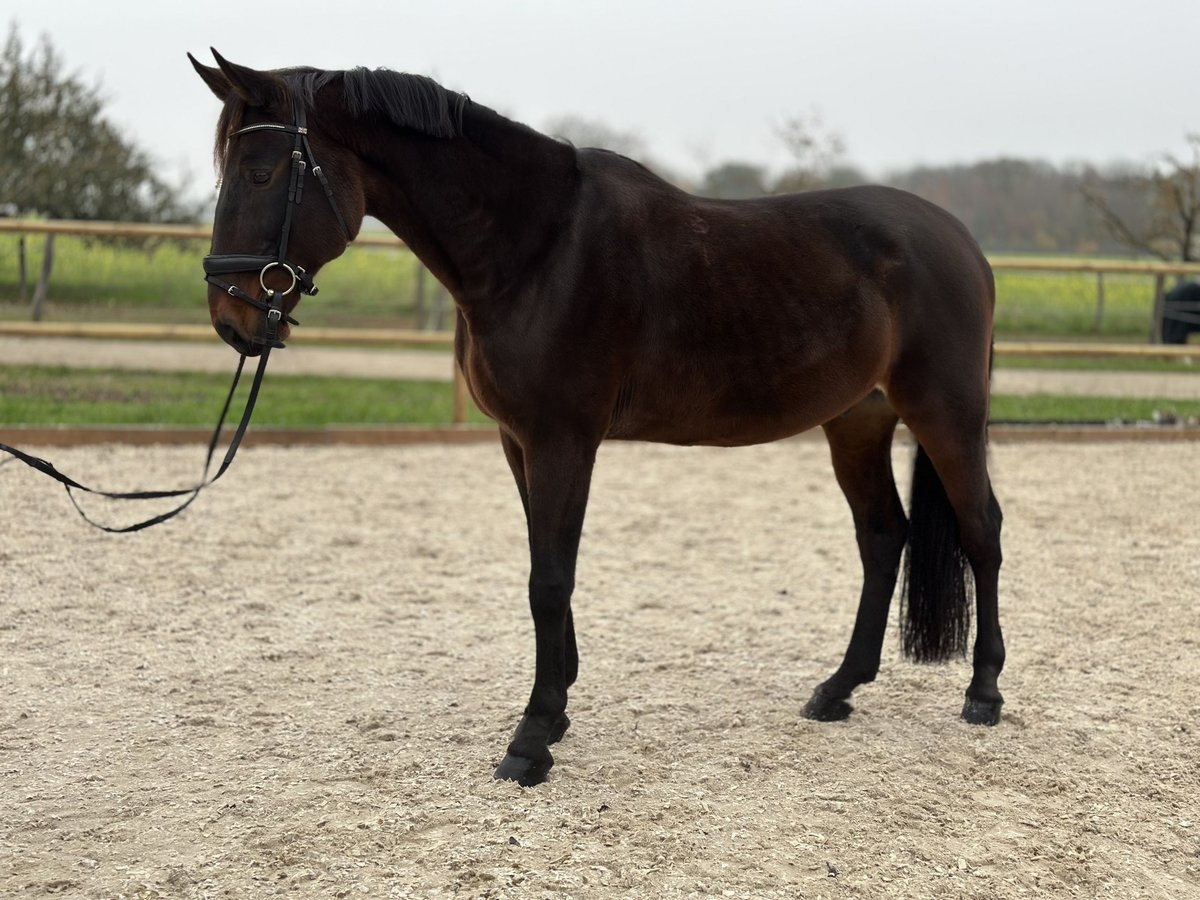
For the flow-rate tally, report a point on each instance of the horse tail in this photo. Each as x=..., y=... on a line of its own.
x=935, y=610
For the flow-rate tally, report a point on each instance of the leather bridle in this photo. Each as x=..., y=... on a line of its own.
x=215, y=265
x=227, y=264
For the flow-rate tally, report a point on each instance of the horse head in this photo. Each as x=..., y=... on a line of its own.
x=268, y=243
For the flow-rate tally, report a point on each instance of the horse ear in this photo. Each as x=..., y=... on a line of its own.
x=256, y=88
x=217, y=82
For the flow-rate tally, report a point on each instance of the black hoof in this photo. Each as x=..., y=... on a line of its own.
x=981, y=712
x=823, y=708
x=525, y=772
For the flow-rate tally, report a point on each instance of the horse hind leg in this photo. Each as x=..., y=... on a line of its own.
x=963, y=519
x=860, y=445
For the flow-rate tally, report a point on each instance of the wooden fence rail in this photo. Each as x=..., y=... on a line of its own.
x=143, y=230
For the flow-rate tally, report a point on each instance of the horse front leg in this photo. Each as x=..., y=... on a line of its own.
x=557, y=476
x=515, y=455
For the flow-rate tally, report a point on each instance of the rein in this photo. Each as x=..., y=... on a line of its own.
x=47, y=468
x=215, y=265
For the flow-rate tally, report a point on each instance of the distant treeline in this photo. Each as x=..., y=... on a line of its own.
x=1010, y=205
x=1023, y=206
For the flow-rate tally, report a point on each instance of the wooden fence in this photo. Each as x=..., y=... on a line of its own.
x=204, y=232
x=1101, y=268
x=1160, y=271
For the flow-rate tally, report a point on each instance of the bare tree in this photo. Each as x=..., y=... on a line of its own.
x=1155, y=211
x=816, y=150
x=582, y=132
x=590, y=133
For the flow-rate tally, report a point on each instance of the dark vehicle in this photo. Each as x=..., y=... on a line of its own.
x=1181, y=312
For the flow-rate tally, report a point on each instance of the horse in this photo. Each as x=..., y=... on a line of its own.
x=594, y=301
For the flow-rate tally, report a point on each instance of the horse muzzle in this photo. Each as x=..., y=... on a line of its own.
x=243, y=320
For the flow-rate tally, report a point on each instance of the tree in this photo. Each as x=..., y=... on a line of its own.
x=817, y=155
x=63, y=159
x=734, y=181
x=582, y=132
x=1154, y=210
x=1010, y=205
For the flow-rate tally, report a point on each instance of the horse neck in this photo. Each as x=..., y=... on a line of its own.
x=478, y=210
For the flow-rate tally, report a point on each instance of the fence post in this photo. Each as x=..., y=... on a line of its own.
x=419, y=305
x=1156, y=323
x=1099, y=323
x=43, y=285
x=22, y=272
x=438, y=313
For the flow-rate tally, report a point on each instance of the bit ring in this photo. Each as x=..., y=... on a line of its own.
x=262, y=276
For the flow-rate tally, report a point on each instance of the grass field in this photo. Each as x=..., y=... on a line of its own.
x=95, y=281
x=1054, y=304
x=104, y=281
x=32, y=395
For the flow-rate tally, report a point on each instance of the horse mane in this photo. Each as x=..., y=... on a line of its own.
x=410, y=101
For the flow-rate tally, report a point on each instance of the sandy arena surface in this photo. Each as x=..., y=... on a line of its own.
x=300, y=687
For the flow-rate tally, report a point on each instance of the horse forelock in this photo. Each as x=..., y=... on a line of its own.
x=300, y=82
x=233, y=114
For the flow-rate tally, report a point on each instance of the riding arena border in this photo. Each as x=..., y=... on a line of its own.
x=398, y=436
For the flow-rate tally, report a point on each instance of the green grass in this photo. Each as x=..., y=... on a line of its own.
x=1184, y=366
x=1055, y=408
x=1045, y=304
x=98, y=281
x=105, y=281
x=60, y=396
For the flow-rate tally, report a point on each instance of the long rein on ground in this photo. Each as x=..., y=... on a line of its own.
x=272, y=307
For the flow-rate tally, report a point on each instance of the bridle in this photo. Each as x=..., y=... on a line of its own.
x=226, y=264
x=215, y=265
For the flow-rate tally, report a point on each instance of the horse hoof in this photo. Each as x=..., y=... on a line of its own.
x=823, y=708
x=525, y=772
x=561, y=724
x=981, y=712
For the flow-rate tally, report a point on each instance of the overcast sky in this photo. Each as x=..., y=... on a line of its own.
x=699, y=82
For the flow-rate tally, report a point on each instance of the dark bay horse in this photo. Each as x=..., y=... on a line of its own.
x=595, y=301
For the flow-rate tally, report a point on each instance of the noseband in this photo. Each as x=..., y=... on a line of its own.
x=226, y=264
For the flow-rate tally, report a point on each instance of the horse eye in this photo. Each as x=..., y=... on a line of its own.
x=261, y=177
